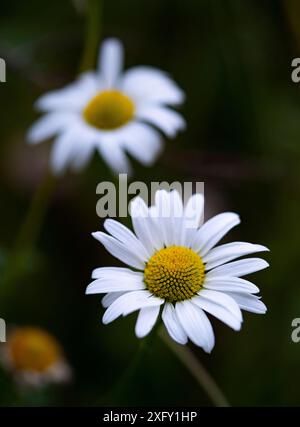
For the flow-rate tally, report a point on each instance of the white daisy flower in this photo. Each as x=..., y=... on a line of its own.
x=177, y=266
x=111, y=111
x=34, y=357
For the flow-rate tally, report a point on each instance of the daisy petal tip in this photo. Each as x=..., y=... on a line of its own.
x=140, y=334
x=208, y=349
x=237, y=328
x=90, y=290
x=57, y=168
x=263, y=308
x=30, y=137
x=96, y=235
x=238, y=218
x=233, y=216
x=265, y=264
x=107, y=224
x=262, y=248
x=183, y=125
x=112, y=42
x=105, y=319
x=39, y=104
x=180, y=95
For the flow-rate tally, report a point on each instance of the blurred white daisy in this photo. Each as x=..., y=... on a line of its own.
x=177, y=266
x=34, y=357
x=111, y=111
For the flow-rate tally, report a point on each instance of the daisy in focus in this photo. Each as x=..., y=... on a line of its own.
x=177, y=269
x=110, y=111
x=34, y=357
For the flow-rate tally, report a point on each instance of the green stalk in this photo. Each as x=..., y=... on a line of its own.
x=93, y=19
x=20, y=256
x=198, y=371
x=121, y=389
x=33, y=221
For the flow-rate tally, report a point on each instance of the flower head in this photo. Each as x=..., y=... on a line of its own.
x=35, y=357
x=111, y=111
x=175, y=264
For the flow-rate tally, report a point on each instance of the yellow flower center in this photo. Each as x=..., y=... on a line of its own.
x=32, y=349
x=175, y=273
x=109, y=110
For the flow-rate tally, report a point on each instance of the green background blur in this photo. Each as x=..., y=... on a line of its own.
x=233, y=60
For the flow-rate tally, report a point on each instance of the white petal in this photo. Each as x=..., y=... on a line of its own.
x=117, y=282
x=224, y=253
x=126, y=236
x=213, y=230
x=238, y=268
x=120, y=251
x=165, y=119
x=109, y=298
x=111, y=61
x=154, y=225
x=173, y=325
x=64, y=100
x=146, y=320
x=128, y=303
x=110, y=272
x=114, y=156
x=176, y=218
x=49, y=125
x=142, y=142
x=88, y=85
x=193, y=214
x=196, y=325
x=146, y=84
x=62, y=151
x=221, y=306
x=167, y=215
x=83, y=153
x=227, y=283
x=164, y=211
x=176, y=204
x=141, y=224
x=248, y=302
x=71, y=98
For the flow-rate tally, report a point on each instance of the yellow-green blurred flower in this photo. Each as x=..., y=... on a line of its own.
x=35, y=357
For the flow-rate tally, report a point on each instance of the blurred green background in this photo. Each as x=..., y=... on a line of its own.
x=233, y=60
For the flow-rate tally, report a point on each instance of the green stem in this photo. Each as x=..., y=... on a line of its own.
x=33, y=221
x=193, y=365
x=29, y=231
x=93, y=19
x=120, y=390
